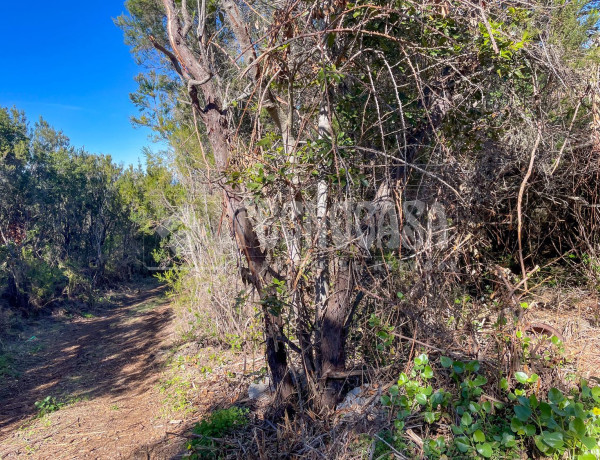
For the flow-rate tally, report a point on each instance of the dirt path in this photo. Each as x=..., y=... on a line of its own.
x=105, y=369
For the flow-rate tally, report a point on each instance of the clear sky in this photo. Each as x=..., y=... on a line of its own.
x=66, y=61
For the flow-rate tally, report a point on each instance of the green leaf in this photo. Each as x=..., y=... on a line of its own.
x=589, y=442
x=523, y=413
x=402, y=379
x=503, y=384
x=478, y=436
x=555, y=396
x=466, y=419
x=530, y=429
x=429, y=417
x=472, y=366
x=596, y=393
x=445, y=362
x=457, y=429
x=553, y=438
x=545, y=411
x=578, y=426
x=427, y=372
x=437, y=398
x=508, y=439
x=474, y=407
x=421, y=360
x=485, y=449
x=458, y=367
x=462, y=444
x=521, y=377
x=487, y=406
x=516, y=424
x=421, y=399
x=540, y=444
x=479, y=381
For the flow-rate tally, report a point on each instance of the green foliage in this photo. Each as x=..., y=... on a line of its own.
x=218, y=424
x=176, y=389
x=559, y=425
x=69, y=220
x=47, y=406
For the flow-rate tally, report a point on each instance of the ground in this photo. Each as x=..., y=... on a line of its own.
x=104, y=369
x=127, y=383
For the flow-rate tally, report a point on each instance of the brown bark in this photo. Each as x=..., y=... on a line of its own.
x=332, y=350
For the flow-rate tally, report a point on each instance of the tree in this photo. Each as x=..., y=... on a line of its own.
x=316, y=110
x=66, y=225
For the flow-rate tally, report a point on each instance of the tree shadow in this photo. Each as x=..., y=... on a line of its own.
x=107, y=354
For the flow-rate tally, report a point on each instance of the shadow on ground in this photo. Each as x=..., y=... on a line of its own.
x=110, y=353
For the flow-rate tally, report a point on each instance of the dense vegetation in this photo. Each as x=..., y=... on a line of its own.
x=70, y=221
x=394, y=175
x=386, y=169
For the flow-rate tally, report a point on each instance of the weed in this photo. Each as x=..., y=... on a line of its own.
x=47, y=405
x=561, y=426
x=176, y=391
x=217, y=425
x=6, y=368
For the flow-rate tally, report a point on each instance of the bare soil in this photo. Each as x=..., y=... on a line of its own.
x=104, y=368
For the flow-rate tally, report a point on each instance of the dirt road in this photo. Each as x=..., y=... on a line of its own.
x=103, y=370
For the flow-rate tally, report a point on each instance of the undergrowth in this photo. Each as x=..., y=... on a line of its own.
x=217, y=425
x=469, y=423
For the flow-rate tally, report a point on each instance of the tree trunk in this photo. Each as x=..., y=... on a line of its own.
x=195, y=70
x=333, y=334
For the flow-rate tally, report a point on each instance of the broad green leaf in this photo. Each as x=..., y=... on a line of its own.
x=578, y=426
x=421, y=360
x=445, y=362
x=472, y=366
x=540, y=444
x=458, y=367
x=479, y=381
x=485, y=449
x=521, y=377
x=462, y=444
x=429, y=417
x=555, y=395
x=589, y=442
x=427, y=372
x=466, y=419
x=553, y=438
x=523, y=413
x=487, y=406
x=478, y=436
x=421, y=399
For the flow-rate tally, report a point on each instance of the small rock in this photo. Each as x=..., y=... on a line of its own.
x=260, y=390
x=353, y=399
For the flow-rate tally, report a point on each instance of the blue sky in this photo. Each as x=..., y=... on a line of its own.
x=66, y=61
